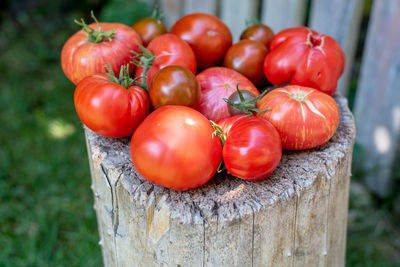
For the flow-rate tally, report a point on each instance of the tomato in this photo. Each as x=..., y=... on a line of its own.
x=235, y=99
x=169, y=50
x=252, y=149
x=86, y=53
x=174, y=85
x=247, y=57
x=241, y=102
x=304, y=117
x=175, y=147
x=108, y=108
x=258, y=32
x=209, y=37
x=217, y=83
x=149, y=28
x=301, y=56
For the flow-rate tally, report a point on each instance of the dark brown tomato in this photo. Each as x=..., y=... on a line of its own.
x=174, y=85
x=247, y=57
x=258, y=32
x=149, y=28
x=235, y=99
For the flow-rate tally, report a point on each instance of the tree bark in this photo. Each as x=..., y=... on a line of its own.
x=296, y=217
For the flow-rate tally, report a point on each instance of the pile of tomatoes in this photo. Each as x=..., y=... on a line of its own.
x=193, y=102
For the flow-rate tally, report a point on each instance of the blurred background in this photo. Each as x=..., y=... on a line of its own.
x=46, y=205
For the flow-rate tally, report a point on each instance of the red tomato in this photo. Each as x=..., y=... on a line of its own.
x=217, y=83
x=304, y=117
x=174, y=85
x=304, y=57
x=252, y=148
x=209, y=37
x=169, y=50
x=108, y=108
x=175, y=147
x=149, y=28
x=247, y=57
x=82, y=56
x=258, y=32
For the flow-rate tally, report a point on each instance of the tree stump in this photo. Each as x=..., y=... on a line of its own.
x=296, y=217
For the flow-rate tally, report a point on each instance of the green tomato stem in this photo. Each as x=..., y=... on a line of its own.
x=219, y=132
x=222, y=136
x=124, y=79
x=143, y=60
x=96, y=36
x=247, y=106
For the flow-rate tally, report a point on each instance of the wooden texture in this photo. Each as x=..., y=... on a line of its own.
x=341, y=20
x=283, y=13
x=235, y=13
x=296, y=217
x=377, y=107
x=172, y=10
x=203, y=6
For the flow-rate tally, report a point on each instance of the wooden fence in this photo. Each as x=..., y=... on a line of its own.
x=377, y=103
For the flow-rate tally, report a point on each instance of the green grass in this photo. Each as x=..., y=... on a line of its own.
x=373, y=235
x=46, y=214
x=46, y=205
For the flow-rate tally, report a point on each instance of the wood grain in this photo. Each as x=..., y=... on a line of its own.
x=377, y=105
x=341, y=20
x=296, y=217
x=283, y=13
x=203, y=6
x=172, y=11
x=235, y=13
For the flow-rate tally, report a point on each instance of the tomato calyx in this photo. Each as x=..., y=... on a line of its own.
x=222, y=136
x=96, y=36
x=218, y=132
x=124, y=78
x=144, y=60
x=299, y=95
x=243, y=105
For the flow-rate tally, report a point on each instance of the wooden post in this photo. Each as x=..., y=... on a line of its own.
x=341, y=20
x=377, y=105
x=235, y=13
x=296, y=217
x=283, y=14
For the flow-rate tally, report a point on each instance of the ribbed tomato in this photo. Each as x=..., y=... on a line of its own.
x=252, y=149
x=89, y=50
x=301, y=56
x=169, y=50
x=304, y=117
x=216, y=84
x=108, y=108
x=175, y=147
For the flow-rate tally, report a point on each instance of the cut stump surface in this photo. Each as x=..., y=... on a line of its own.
x=296, y=217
